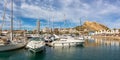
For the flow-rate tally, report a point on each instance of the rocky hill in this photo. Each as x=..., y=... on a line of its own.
x=91, y=26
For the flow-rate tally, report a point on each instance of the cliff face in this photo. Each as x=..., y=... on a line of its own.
x=91, y=26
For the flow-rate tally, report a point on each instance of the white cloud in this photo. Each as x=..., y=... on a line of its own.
x=73, y=9
x=98, y=10
x=33, y=11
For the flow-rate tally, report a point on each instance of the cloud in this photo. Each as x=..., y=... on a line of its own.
x=102, y=11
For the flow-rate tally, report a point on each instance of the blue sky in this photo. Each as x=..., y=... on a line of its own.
x=106, y=12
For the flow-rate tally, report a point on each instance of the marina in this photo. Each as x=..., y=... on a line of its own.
x=59, y=30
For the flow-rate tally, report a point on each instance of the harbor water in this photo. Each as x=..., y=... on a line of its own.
x=93, y=49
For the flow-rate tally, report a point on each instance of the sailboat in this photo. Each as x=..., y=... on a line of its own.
x=12, y=43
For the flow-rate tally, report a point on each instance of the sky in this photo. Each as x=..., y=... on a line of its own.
x=60, y=13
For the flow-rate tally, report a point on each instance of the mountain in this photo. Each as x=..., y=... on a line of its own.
x=91, y=26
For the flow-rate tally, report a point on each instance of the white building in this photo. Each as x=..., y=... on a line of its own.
x=101, y=32
x=46, y=29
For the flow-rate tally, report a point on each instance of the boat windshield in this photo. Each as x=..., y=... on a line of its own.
x=36, y=38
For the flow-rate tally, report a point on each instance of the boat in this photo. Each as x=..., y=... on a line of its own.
x=67, y=41
x=47, y=38
x=12, y=43
x=36, y=44
x=81, y=38
x=12, y=46
x=32, y=35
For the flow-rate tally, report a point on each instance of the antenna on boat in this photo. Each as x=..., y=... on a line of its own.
x=11, y=30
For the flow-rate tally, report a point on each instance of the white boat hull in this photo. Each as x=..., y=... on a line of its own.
x=67, y=43
x=36, y=46
x=42, y=48
x=11, y=46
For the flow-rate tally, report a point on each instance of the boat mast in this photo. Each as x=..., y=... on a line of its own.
x=20, y=24
x=65, y=20
x=3, y=18
x=11, y=30
x=38, y=26
x=80, y=22
x=80, y=25
x=53, y=25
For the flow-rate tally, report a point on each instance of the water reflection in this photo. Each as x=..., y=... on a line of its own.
x=10, y=55
x=93, y=49
x=64, y=53
x=21, y=54
x=102, y=42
